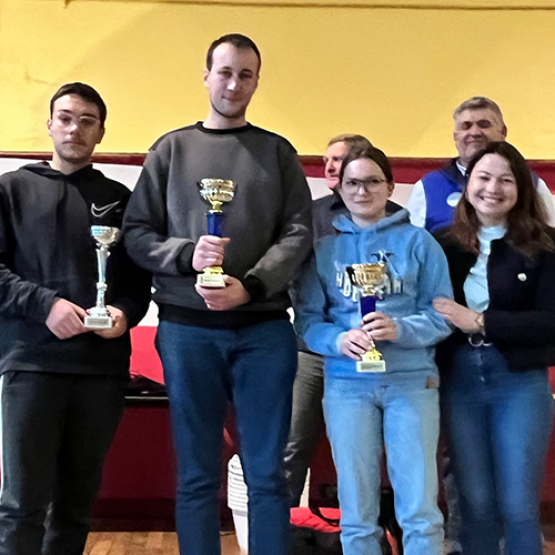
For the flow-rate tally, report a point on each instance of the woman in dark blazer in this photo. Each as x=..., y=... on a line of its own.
x=496, y=399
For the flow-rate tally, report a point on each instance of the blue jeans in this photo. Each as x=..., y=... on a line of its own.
x=498, y=424
x=361, y=418
x=205, y=369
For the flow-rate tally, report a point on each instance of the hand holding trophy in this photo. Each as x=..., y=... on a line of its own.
x=367, y=278
x=216, y=192
x=99, y=317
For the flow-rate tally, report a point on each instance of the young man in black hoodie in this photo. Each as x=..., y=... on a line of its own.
x=62, y=385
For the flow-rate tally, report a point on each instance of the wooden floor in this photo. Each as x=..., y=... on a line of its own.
x=165, y=543
x=146, y=543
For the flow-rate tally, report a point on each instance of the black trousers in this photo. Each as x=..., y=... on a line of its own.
x=55, y=432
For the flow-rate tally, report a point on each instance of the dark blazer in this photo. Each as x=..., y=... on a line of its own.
x=520, y=319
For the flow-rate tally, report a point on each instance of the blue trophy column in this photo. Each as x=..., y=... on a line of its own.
x=367, y=304
x=215, y=222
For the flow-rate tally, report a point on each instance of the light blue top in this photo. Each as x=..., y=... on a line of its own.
x=327, y=306
x=476, y=284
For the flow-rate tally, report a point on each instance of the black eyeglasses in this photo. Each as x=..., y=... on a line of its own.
x=370, y=184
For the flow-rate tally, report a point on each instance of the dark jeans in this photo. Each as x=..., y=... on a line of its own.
x=204, y=369
x=307, y=422
x=498, y=424
x=56, y=430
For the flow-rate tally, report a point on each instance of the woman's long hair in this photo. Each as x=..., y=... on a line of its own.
x=526, y=221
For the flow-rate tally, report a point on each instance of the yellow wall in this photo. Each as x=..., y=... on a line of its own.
x=394, y=75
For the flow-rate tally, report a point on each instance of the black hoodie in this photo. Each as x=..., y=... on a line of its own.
x=46, y=252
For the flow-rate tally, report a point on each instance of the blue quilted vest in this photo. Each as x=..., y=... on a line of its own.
x=442, y=189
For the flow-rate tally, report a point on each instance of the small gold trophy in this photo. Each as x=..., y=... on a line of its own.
x=216, y=192
x=367, y=278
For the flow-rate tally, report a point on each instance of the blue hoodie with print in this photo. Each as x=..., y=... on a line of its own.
x=327, y=306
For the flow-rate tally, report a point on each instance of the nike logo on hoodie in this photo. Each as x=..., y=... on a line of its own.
x=99, y=211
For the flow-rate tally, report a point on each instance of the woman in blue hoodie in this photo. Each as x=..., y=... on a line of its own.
x=392, y=399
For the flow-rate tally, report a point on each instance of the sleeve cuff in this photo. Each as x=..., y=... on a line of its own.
x=255, y=288
x=47, y=307
x=184, y=261
x=339, y=341
x=401, y=330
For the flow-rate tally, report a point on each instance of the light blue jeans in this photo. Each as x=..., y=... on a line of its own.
x=361, y=419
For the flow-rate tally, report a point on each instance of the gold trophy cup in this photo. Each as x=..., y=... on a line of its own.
x=216, y=192
x=367, y=278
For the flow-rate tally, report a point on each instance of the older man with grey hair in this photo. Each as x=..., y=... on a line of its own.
x=477, y=122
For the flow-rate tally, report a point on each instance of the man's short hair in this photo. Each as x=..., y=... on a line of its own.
x=86, y=92
x=360, y=141
x=237, y=40
x=479, y=103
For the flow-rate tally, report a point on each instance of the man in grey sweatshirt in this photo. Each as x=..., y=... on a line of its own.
x=233, y=343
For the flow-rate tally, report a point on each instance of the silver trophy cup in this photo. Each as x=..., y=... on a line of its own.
x=99, y=317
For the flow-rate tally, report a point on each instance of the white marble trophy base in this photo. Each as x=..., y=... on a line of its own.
x=215, y=281
x=98, y=322
x=371, y=366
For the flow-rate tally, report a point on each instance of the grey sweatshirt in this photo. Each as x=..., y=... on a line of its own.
x=268, y=220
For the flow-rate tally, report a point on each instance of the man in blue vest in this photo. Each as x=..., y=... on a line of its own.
x=477, y=122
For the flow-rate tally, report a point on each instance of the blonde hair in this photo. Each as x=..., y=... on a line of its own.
x=350, y=139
